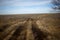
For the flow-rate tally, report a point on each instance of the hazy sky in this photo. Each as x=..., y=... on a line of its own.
x=24, y=6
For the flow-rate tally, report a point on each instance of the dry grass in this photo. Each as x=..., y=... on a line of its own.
x=30, y=27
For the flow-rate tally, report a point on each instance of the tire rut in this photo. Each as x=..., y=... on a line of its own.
x=38, y=34
x=9, y=29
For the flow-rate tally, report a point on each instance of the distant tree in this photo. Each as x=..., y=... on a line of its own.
x=56, y=5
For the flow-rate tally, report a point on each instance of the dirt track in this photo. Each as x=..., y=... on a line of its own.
x=31, y=29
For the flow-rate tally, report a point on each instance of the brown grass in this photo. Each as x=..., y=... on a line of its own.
x=30, y=27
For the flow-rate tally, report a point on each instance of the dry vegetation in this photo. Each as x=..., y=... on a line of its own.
x=30, y=27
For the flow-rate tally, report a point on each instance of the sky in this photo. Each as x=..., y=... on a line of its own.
x=25, y=6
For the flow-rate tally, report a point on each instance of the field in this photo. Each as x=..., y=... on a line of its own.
x=30, y=27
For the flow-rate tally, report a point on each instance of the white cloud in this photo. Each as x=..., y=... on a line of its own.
x=23, y=3
x=14, y=3
x=28, y=10
x=30, y=3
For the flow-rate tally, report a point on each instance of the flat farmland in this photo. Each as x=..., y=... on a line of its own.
x=30, y=27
